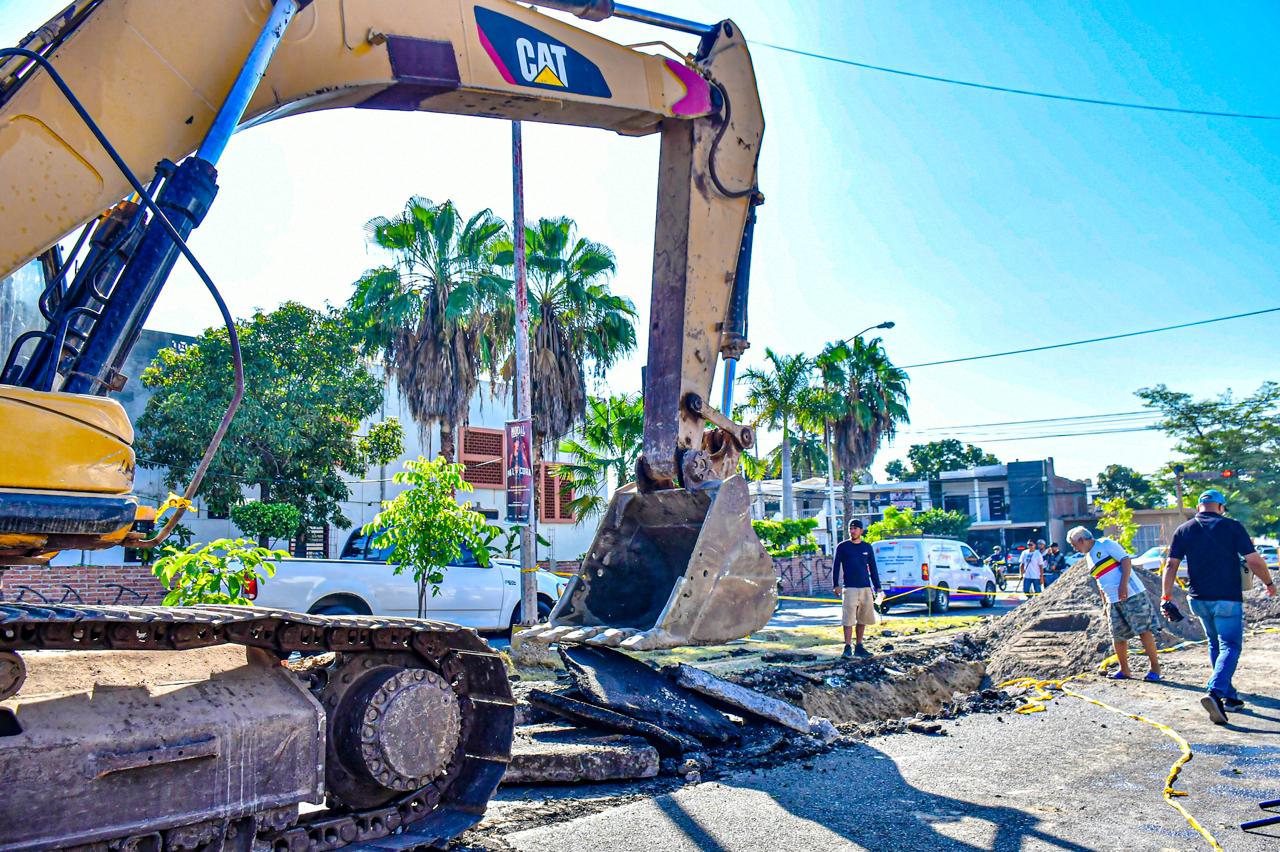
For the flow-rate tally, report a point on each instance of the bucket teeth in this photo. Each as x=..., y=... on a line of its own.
x=669, y=568
x=612, y=637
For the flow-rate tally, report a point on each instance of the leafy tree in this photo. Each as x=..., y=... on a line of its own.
x=943, y=522
x=755, y=468
x=215, y=573
x=436, y=314
x=1117, y=521
x=808, y=458
x=936, y=457
x=897, y=471
x=897, y=522
x=603, y=451
x=774, y=393
x=789, y=537
x=267, y=521
x=305, y=394
x=1126, y=483
x=1225, y=433
x=425, y=526
x=868, y=401
x=578, y=325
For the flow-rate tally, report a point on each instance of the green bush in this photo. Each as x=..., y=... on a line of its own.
x=787, y=538
x=943, y=522
x=268, y=521
x=214, y=573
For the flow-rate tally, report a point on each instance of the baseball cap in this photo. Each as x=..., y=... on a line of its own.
x=856, y=523
x=1213, y=495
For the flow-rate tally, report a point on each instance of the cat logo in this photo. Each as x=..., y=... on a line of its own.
x=525, y=56
x=548, y=66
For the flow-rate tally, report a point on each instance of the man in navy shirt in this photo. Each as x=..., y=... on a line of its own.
x=1212, y=545
x=855, y=562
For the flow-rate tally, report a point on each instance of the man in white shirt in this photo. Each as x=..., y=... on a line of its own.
x=1124, y=599
x=1031, y=566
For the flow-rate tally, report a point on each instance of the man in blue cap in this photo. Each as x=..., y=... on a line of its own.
x=1212, y=546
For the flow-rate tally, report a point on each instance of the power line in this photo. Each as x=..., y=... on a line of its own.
x=1089, y=340
x=1068, y=434
x=1012, y=91
x=1021, y=422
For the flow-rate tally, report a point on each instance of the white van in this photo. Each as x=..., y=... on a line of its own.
x=908, y=566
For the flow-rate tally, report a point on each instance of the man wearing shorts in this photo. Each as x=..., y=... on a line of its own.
x=1124, y=599
x=855, y=562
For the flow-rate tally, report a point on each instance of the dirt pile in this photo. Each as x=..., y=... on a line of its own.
x=890, y=686
x=1065, y=631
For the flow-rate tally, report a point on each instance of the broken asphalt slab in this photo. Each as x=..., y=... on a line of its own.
x=554, y=754
x=740, y=699
x=667, y=743
x=616, y=681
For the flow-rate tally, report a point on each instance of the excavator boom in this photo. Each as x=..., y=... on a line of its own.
x=413, y=719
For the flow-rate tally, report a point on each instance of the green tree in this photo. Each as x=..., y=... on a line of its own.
x=787, y=538
x=603, y=451
x=267, y=521
x=295, y=432
x=943, y=522
x=219, y=572
x=425, y=526
x=1126, y=483
x=808, y=458
x=1116, y=520
x=936, y=457
x=578, y=326
x=1225, y=433
x=897, y=522
x=436, y=314
x=868, y=402
x=774, y=393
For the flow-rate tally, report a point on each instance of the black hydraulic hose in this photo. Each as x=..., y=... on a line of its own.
x=147, y=200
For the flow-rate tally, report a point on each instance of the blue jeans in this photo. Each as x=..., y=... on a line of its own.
x=1223, y=623
x=1031, y=585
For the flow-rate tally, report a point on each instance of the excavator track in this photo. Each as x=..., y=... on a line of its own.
x=438, y=659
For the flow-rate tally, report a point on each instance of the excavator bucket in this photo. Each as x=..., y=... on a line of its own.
x=667, y=569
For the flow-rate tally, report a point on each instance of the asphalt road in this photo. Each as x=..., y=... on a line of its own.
x=1075, y=777
x=806, y=614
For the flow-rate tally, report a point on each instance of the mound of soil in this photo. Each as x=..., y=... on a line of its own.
x=1065, y=631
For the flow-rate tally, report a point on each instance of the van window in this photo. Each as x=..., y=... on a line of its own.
x=969, y=555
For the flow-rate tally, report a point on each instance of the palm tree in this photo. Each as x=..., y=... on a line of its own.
x=436, y=313
x=578, y=324
x=774, y=395
x=868, y=401
x=604, y=451
x=808, y=458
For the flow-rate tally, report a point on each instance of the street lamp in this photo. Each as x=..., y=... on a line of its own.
x=885, y=324
x=831, y=483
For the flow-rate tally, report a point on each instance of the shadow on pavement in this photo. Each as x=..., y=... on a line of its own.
x=873, y=806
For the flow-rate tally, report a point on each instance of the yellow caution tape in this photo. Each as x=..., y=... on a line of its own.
x=1044, y=694
x=915, y=589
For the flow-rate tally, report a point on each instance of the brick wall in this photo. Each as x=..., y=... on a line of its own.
x=804, y=575
x=93, y=584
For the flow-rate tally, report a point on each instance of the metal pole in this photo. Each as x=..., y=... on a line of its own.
x=524, y=393
x=246, y=83
x=831, y=490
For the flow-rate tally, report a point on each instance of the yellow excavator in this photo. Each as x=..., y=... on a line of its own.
x=179, y=727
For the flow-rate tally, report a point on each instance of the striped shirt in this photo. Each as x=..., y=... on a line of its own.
x=1104, y=563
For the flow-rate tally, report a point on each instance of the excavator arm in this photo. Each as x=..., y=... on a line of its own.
x=161, y=77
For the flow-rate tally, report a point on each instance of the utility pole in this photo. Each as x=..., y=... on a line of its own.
x=524, y=393
x=1178, y=470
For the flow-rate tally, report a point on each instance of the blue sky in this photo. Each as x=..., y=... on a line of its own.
x=976, y=221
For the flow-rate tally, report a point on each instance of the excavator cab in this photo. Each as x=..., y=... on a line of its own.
x=668, y=568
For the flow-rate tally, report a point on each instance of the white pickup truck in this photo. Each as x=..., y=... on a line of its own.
x=361, y=582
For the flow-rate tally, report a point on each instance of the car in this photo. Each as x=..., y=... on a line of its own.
x=1271, y=555
x=360, y=582
x=932, y=572
x=1152, y=559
